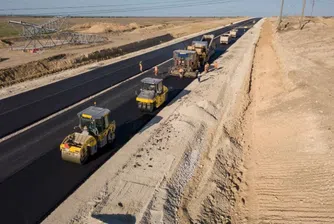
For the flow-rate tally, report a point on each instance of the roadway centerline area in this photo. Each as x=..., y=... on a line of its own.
x=34, y=178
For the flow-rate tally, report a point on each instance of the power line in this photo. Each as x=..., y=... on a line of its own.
x=302, y=16
x=165, y=5
x=313, y=2
x=280, y=15
x=326, y=2
x=88, y=6
x=156, y=3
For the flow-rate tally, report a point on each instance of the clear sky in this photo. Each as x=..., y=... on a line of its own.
x=164, y=7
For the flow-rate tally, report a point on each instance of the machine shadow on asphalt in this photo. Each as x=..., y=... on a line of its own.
x=153, y=121
x=177, y=95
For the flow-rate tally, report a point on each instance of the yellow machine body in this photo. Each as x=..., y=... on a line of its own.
x=152, y=95
x=77, y=147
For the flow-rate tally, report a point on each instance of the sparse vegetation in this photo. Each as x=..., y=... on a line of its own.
x=6, y=30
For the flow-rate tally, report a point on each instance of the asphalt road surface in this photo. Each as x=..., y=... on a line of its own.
x=26, y=108
x=34, y=179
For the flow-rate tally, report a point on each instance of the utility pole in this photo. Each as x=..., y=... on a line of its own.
x=280, y=15
x=313, y=2
x=302, y=17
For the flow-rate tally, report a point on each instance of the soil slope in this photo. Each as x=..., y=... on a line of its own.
x=288, y=156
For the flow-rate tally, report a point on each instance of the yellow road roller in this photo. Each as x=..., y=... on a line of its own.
x=96, y=131
x=152, y=94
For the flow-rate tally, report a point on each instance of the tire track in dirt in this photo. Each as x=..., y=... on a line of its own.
x=288, y=165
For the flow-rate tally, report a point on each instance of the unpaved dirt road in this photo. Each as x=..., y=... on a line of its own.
x=288, y=155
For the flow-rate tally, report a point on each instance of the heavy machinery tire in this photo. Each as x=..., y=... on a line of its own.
x=111, y=137
x=144, y=107
x=78, y=158
x=83, y=156
x=150, y=107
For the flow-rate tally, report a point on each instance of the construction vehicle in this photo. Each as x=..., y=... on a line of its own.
x=186, y=63
x=205, y=48
x=234, y=33
x=225, y=38
x=152, y=94
x=96, y=131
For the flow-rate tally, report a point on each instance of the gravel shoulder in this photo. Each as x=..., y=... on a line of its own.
x=144, y=182
x=288, y=127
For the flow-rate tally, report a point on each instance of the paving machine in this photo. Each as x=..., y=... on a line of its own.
x=186, y=63
x=152, y=94
x=205, y=48
x=96, y=131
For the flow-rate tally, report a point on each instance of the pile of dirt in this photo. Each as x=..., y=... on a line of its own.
x=61, y=62
x=2, y=44
x=104, y=27
x=293, y=23
x=35, y=69
x=153, y=28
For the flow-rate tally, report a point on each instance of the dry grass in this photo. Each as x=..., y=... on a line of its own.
x=6, y=30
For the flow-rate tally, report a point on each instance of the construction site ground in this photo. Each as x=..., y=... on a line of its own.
x=288, y=128
x=18, y=66
x=251, y=143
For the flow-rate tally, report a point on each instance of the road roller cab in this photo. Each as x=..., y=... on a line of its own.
x=152, y=94
x=186, y=63
x=96, y=131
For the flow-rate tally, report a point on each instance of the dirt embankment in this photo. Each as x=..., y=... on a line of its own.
x=211, y=195
x=288, y=128
x=62, y=62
